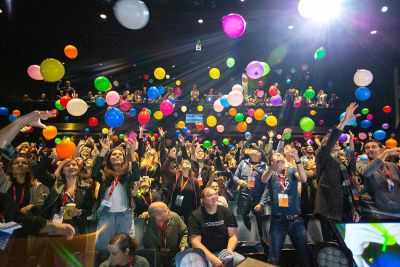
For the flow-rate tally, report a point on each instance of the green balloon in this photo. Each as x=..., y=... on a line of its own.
x=58, y=105
x=287, y=136
x=364, y=111
x=309, y=93
x=307, y=124
x=230, y=62
x=225, y=141
x=57, y=140
x=148, y=111
x=207, y=144
x=279, y=92
x=151, y=81
x=121, y=136
x=266, y=69
x=320, y=53
x=239, y=117
x=102, y=83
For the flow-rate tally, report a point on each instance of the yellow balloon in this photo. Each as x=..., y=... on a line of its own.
x=214, y=73
x=313, y=112
x=104, y=131
x=158, y=115
x=200, y=108
x=178, y=82
x=52, y=70
x=181, y=124
x=271, y=121
x=211, y=121
x=159, y=73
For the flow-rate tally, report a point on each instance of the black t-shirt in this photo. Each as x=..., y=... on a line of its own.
x=213, y=228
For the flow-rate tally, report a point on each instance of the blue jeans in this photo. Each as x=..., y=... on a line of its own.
x=280, y=227
x=110, y=225
x=245, y=204
x=237, y=258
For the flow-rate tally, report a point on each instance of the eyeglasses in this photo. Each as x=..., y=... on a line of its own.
x=212, y=196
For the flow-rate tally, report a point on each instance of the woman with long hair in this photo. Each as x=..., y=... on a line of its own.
x=149, y=161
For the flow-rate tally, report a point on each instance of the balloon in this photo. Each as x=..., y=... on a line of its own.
x=220, y=128
x=100, y=101
x=183, y=109
x=71, y=51
x=65, y=149
x=241, y=127
x=199, y=126
x=259, y=114
x=207, y=144
x=307, y=135
x=273, y=90
x=225, y=141
x=254, y=69
x=362, y=93
x=177, y=91
x=180, y=124
x=115, y=118
x=188, y=132
x=50, y=132
x=342, y=138
x=178, y=82
x=239, y=117
x=247, y=134
x=233, y=25
x=104, y=131
x=365, y=124
x=235, y=98
x=260, y=93
x=57, y=141
x=157, y=115
x=144, y=117
x=266, y=69
x=363, y=77
x=260, y=83
x=224, y=101
x=159, y=73
x=364, y=111
x=387, y=109
x=249, y=120
x=86, y=130
x=287, y=136
x=52, y=70
x=200, y=108
x=250, y=112
x=307, y=124
x=132, y=14
x=363, y=157
x=271, y=121
x=350, y=122
x=4, y=111
x=146, y=77
x=153, y=93
x=93, y=122
x=237, y=87
x=230, y=62
x=313, y=112
x=321, y=122
x=297, y=103
x=218, y=107
x=77, y=107
x=370, y=117
x=102, y=83
x=161, y=89
x=34, y=72
x=66, y=118
x=214, y=73
x=362, y=136
x=385, y=126
x=206, y=130
x=309, y=93
x=132, y=111
x=276, y=100
x=379, y=135
x=64, y=101
x=112, y=98
x=211, y=121
x=391, y=143
x=166, y=107
x=319, y=53
x=16, y=113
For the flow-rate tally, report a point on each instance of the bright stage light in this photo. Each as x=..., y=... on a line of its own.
x=373, y=32
x=321, y=10
x=384, y=9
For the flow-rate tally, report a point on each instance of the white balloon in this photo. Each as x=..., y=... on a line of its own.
x=235, y=98
x=218, y=107
x=132, y=14
x=183, y=108
x=237, y=87
x=77, y=107
x=363, y=77
x=249, y=120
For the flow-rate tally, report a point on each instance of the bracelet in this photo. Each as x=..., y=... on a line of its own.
x=298, y=162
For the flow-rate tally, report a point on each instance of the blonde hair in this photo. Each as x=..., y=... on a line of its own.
x=150, y=160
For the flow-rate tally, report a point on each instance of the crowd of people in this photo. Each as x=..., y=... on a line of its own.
x=182, y=190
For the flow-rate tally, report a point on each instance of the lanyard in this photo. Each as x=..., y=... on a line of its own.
x=252, y=168
x=281, y=180
x=184, y=185
x=130, y=261
x=387, y=172
x=21, y=198
x=164, y=234
x=150, y=197
x=113, y=185
x=72, y=197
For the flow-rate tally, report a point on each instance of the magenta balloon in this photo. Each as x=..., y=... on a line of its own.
x=297, y=103
x=255, y=70
x=370, y=117
x=112, y=98
x=177, y=91
x=276, y=100
x=237, y=87
x=235, y=98
x=250, y=112
x=385, y=126
x=166, y=107
x=260, y=93
x=34, y=72
x=218, y=107
x=125, y=105
x=233, y=25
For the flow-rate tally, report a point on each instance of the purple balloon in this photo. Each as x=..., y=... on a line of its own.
x=233, y=25
x=276, y=100
x=342, y=138
x=385, y=126
x=188, y=132
x=206, y=130
x=255, y=69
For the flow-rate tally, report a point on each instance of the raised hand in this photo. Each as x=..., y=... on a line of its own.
x=350, y=112
x=161, y=131
x=34, y=118
x=105, y=144
x=271, y=134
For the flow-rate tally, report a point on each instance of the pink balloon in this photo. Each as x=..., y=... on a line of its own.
x=255, y=70
x=297, y=103
x=250, y=112
x=112, y=98
x=177, y=91
x=385, y=126
x=260, y=93
x=260, y=83
x=235, y=98
x=233, y=25
x=125, y=105
x=218, y=107
x=237, y=87
x=34, y=72
x=220, y=128
x=362, y=136
x=166, y=107
x=370, y=117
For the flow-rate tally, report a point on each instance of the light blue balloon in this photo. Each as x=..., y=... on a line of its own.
x=87, y=130
x=247, y=134
x=161, y=89
x=347, y=150
x=365, y=124
x=363, y=157
x=100, y=102
x=224, y=101
x=350, y=122
x=177, y=132
x=379, y=135
x=362, y=93
x=114, y=117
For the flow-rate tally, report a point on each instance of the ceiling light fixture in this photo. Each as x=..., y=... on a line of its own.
x=200, y=21
x=103, y=16
x=373, y=32
x=290, y=27
x=384, y=9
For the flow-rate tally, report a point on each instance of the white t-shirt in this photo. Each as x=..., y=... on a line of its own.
x=119, y=199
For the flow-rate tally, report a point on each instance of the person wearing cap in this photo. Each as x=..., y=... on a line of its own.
x=248, y=177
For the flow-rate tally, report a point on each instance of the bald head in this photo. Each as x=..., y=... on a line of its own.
x=157, y=210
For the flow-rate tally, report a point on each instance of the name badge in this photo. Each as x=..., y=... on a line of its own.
x=283, y=200
x=179, y=201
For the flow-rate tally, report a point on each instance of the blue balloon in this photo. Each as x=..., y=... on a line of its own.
x=172, y=100
x=363, y=157
x=247, y=134
x=365, y=124
x=347, y=150
x=114, y=117
x=379, y=135
x=230, y=146
x=161, y=89
x=350, y=122
x=153, y=93
x=100, y=102
x=362, y=93
x=288, y=81
x=184, y=130
x=4, y=111
x=66, y=118
x=224, y=101
x=133, y=111
x=177, y=132
x=87, y=130
x=12, y=117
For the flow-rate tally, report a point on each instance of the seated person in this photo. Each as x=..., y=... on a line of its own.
x=166, y=232
x=213, y=229
x=122, y=252
x=221, y=199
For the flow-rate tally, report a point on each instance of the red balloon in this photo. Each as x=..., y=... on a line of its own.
x=307, y=135
x=64, y=101
x=355, y=139
x=387, y=109
x=55, y=111
x=260, y=83
x=199, y=126
x=143, y=117
x=273, y=90
x=93, y=122
x=146, y=77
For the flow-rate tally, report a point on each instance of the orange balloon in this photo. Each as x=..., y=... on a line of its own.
x=232, y=112
x=65, y=149
x=71, y=51
x=241, y=127
x=17, y=113
x=259, y=114
x=50, y=132
x=391, y=143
